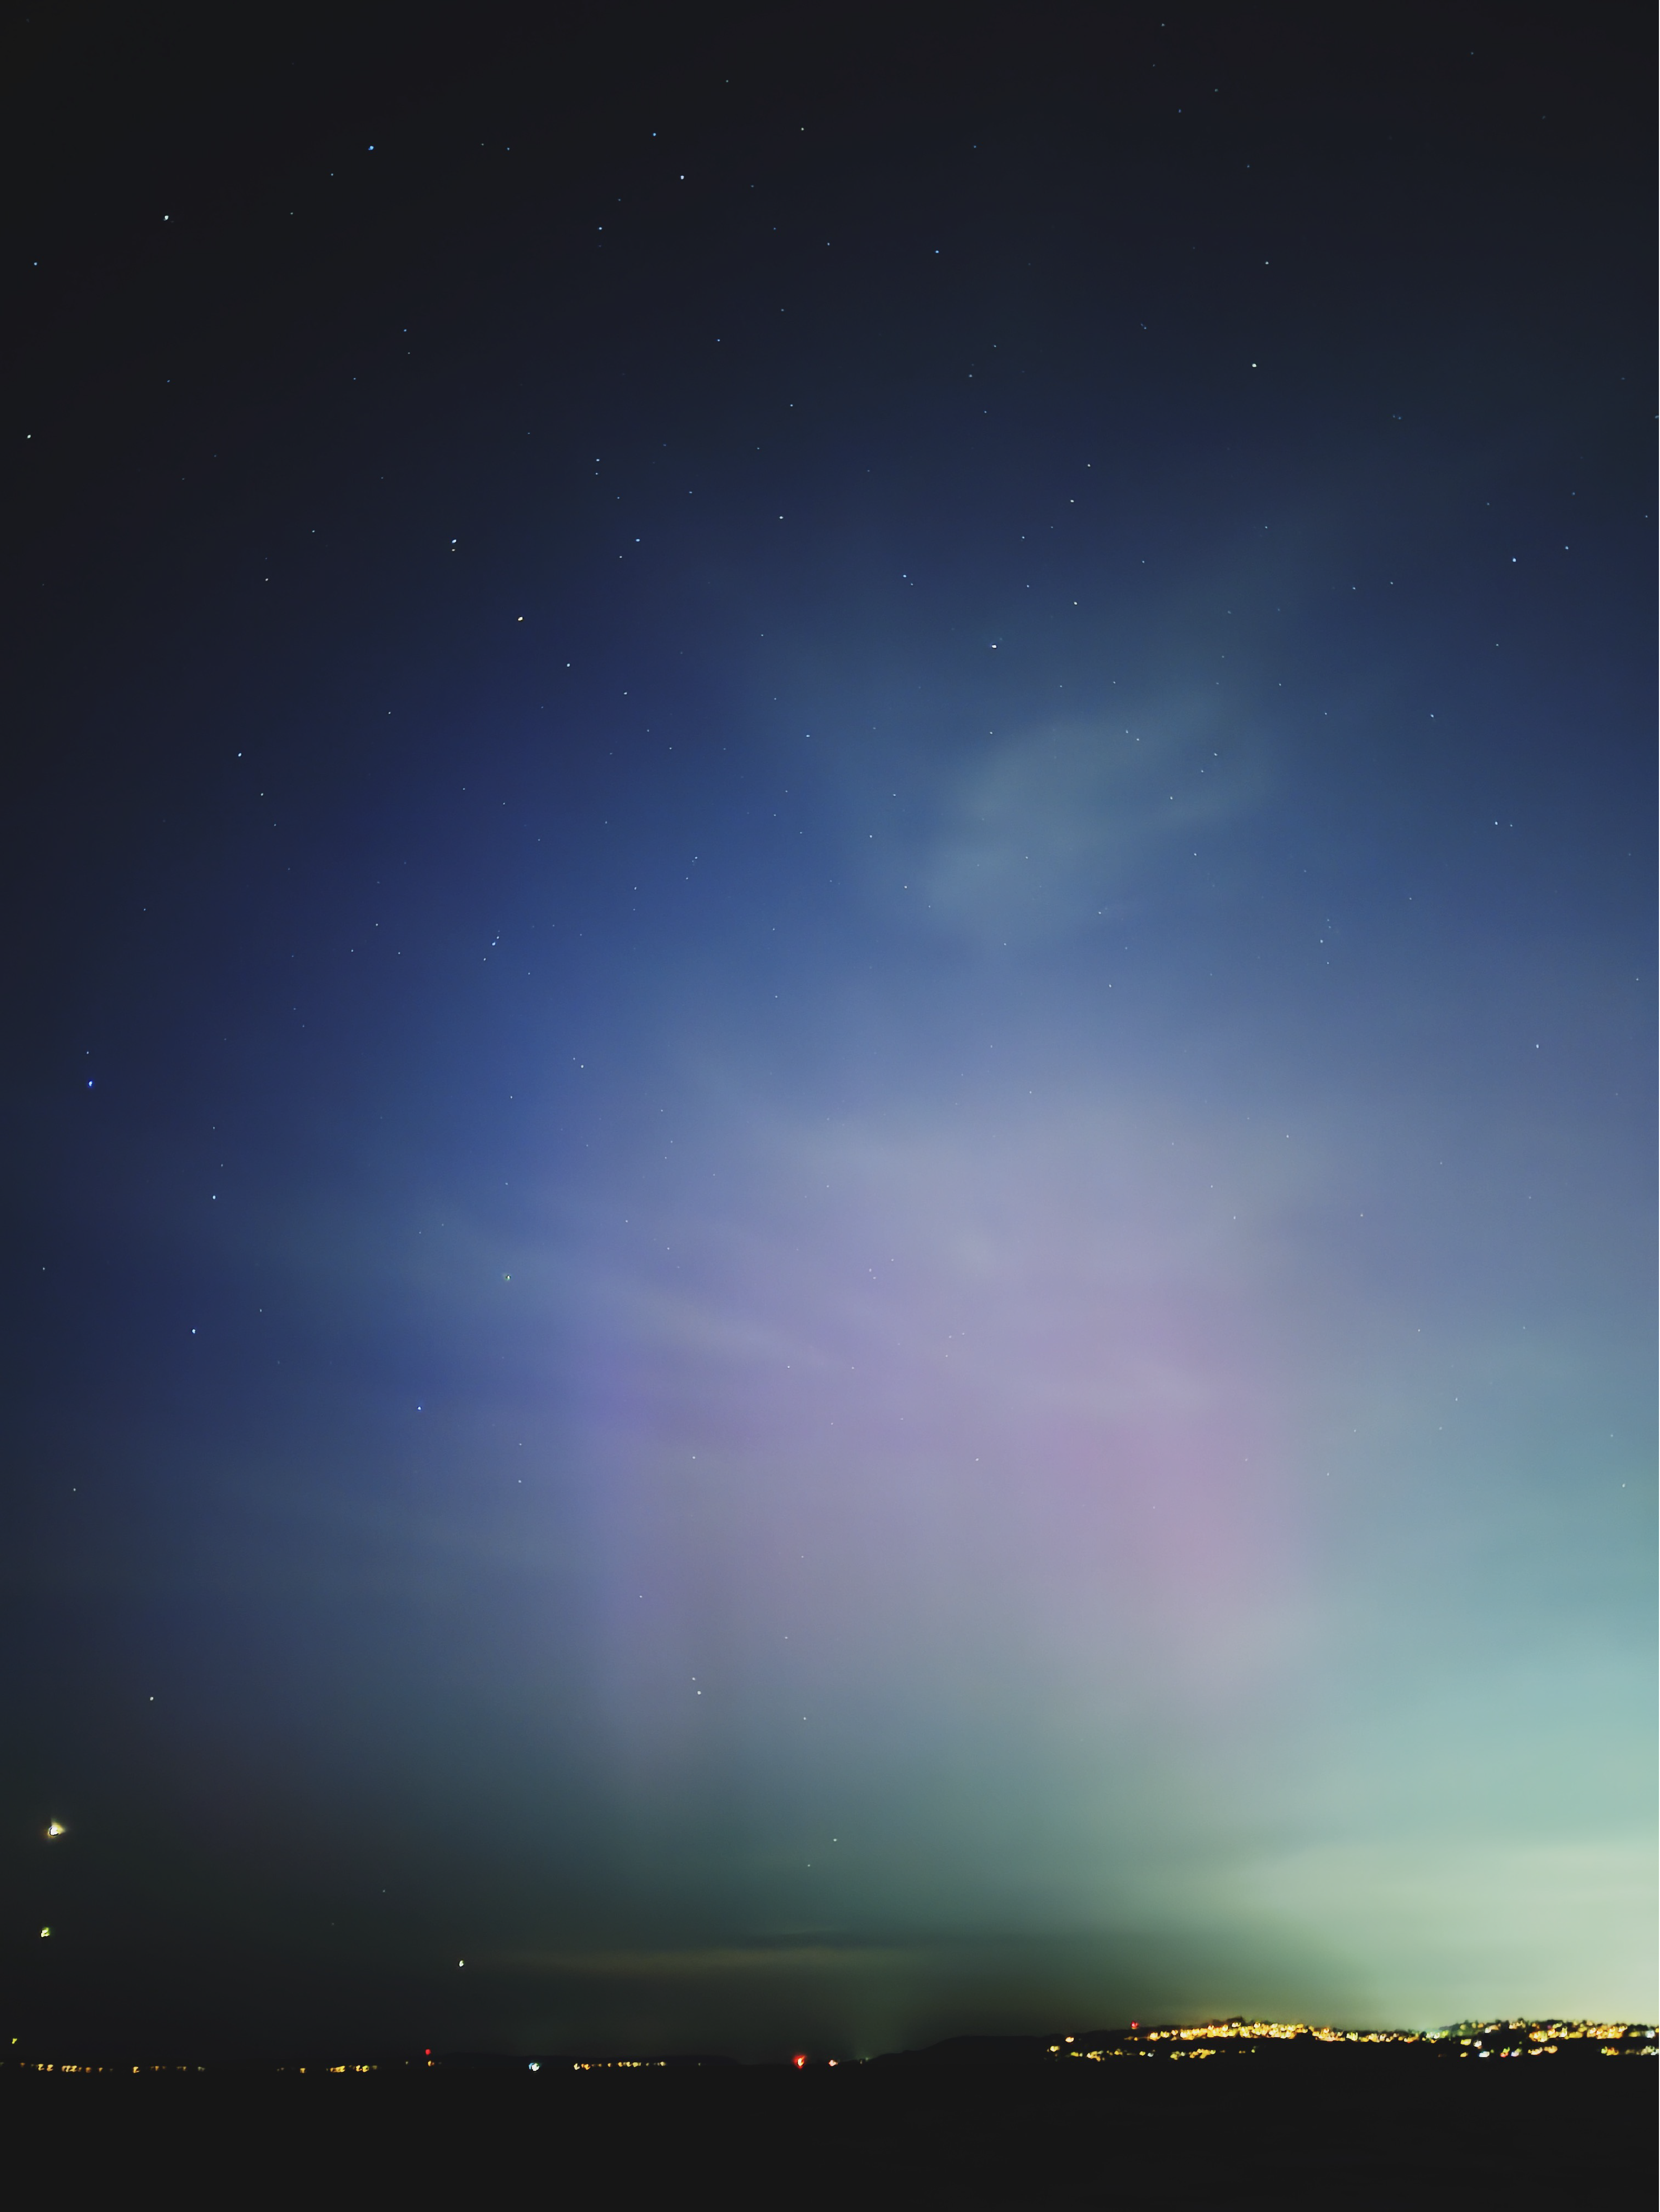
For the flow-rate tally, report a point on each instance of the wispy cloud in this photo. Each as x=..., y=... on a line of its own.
x=1068, y=824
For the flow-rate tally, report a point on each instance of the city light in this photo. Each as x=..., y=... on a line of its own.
x=1512, y=2038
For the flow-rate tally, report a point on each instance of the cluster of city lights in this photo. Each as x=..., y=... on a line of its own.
x=1513, y=2038
x=73, y=2066
x=1181, y=2042
x=1542, y=2038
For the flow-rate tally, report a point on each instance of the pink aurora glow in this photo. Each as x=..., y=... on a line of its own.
x=993, y=1404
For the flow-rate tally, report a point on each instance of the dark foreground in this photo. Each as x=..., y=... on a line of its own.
x=1357, y=2136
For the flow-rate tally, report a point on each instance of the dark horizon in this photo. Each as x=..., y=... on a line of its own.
x=829, y=1173
x=1234, y=2039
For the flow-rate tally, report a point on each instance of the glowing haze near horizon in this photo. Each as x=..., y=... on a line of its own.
x=832, y=1206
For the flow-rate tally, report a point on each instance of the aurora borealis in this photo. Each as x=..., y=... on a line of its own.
x=830, y=1167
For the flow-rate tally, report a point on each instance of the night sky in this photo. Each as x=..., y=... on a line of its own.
x=829, y=940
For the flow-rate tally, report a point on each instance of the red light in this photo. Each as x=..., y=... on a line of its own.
x=799, y=2059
